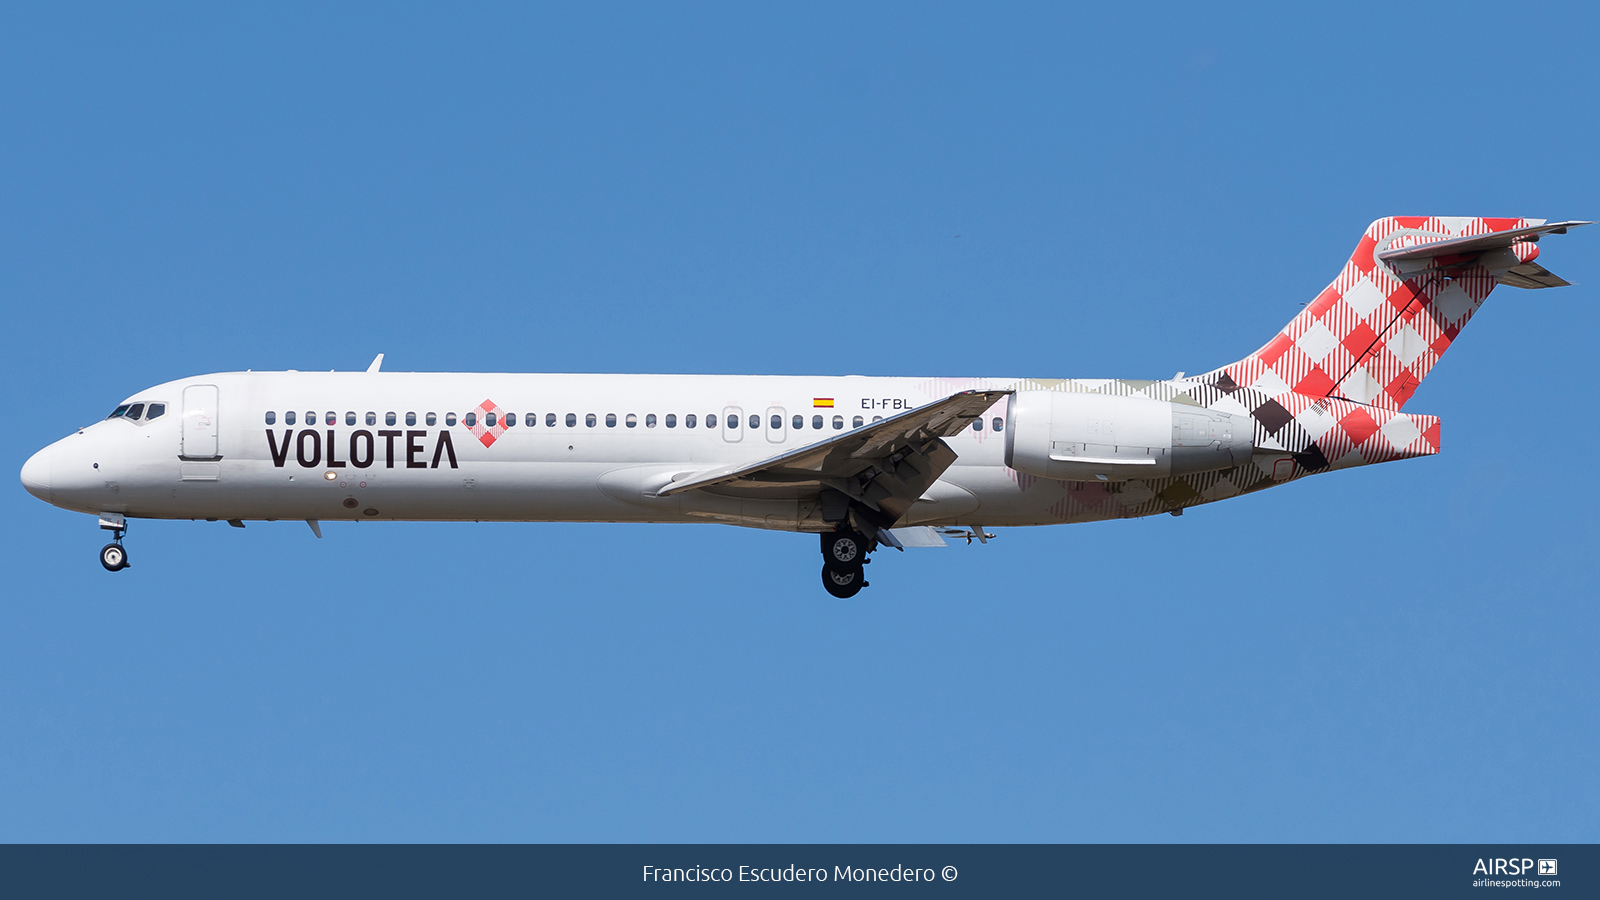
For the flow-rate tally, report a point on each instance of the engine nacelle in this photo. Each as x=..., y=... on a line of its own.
x=1094, y=437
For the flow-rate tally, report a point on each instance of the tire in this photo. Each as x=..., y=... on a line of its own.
x=844, y=548
x=114, y=557
x=843, y=581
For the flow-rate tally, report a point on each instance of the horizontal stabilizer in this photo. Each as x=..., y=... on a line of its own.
x=1533, y=275
x=1478, y=243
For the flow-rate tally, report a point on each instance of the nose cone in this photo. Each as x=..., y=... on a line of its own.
x=36, y=474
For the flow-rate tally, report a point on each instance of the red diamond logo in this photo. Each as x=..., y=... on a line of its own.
x=488, y=411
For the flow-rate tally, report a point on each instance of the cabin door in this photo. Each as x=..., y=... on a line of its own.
x=199, y=422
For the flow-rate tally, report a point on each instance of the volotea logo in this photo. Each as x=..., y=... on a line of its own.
x=488, y=423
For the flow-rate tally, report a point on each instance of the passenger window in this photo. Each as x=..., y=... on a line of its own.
x=470, y=420
x=449, y=419
x=511, y=420
x=411, y=418
x=611, y=420
x=733, y=421
x=272, y=417
x=650, y=420
x=777, y=422
x=877, y=418
x=157, y=410
x=688, y=421
x=572, y=420
x=433, y=419
x=135, y=411
x=349, y=418
x=672, y=420
x=998, y=424
x=755, y=421
x=798, y=422
x=311, y=418
x=388, y=418
x=838, y=422
x=816, y=422
x=589, y=420
x=288, y=417
x=550, y=420
x=977, y=424
x=857, y=422
x=372, y=418
x=332, y=417
x=489, y=419
x=632, y=420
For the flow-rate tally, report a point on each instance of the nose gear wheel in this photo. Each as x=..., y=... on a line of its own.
x=114, y=557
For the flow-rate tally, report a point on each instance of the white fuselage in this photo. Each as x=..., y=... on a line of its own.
x=614, y=440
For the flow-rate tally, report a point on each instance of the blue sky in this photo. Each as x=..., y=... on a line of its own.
x=1405, y=652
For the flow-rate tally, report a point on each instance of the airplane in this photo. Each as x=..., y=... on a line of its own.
x=864, y=462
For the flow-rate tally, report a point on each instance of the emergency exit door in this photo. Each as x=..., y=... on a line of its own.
x=199, y=420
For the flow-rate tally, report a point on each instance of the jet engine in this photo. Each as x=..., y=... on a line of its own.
x=1089, y=437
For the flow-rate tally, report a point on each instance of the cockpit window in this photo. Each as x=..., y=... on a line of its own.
x=119, y=412
x=135, y=411
x=157, y=410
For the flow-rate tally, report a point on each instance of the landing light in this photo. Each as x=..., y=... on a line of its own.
x=330, y=475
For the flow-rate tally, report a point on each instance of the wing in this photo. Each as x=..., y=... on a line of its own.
x=884, y=466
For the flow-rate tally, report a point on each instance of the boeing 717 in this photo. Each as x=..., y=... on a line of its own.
x=863, y=462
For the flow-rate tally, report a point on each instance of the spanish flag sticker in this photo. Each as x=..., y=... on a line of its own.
x=822, y=403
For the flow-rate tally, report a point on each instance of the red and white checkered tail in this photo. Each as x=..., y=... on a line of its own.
x=1409, y=288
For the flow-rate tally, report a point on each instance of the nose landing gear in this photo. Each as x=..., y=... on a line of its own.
x=113, y=555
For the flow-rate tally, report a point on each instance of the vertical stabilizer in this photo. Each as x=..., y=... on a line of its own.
x=1409, y=288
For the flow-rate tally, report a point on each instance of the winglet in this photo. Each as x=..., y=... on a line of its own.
x=377, y=362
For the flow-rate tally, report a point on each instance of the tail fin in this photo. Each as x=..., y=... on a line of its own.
x=1409, y=288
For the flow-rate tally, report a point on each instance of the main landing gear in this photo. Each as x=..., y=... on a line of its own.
x=114, y=556
x=844, y=553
